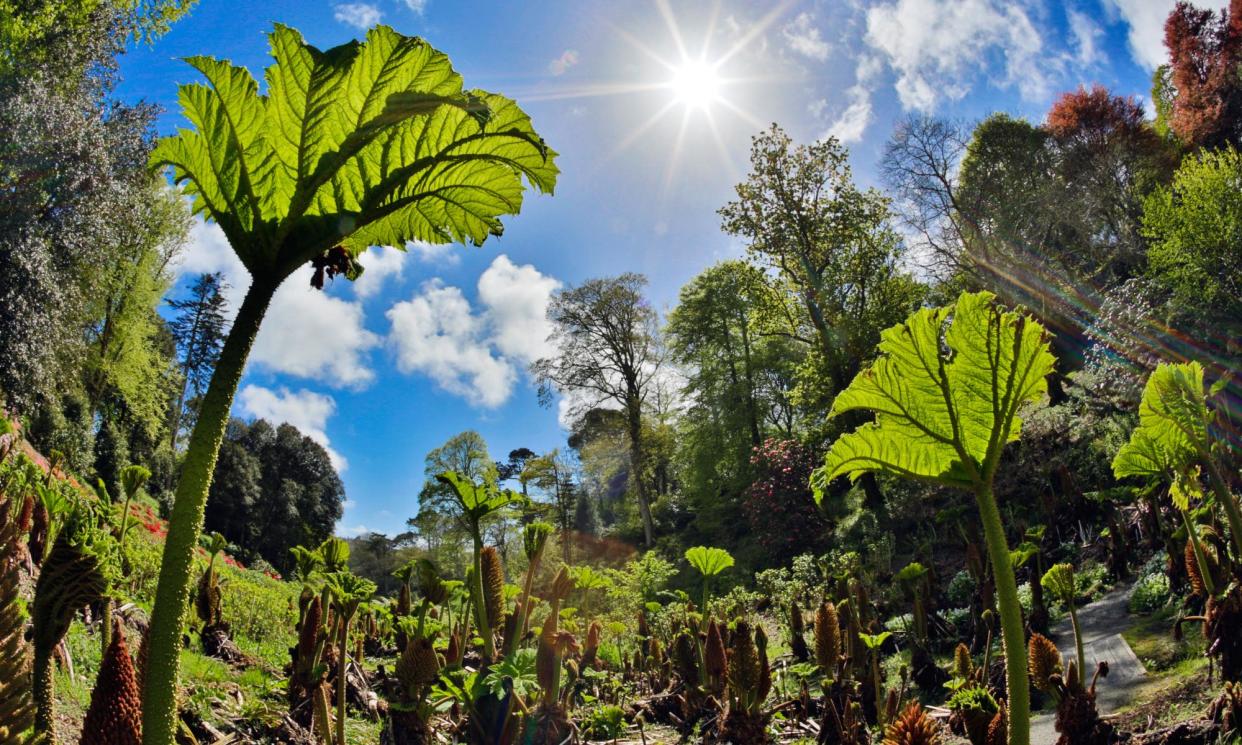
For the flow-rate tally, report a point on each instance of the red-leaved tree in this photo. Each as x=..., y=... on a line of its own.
x=779, y=506
x=1095, y=119
x=1205, y=50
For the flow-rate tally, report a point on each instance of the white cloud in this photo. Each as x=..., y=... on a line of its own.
x=937, y=47
x=418, y=6
x=358, y=15
x=561, y=64
x=804, y=38
x=516, y=299
x=852, y=123
x=353, y=531
x=379, y=263
x=1146, y=21
x=311, y=334
x=206, y=252
x=306, y=410
x=436, y=333
x=474, y=352
x=439, y=254
x=1086, y=33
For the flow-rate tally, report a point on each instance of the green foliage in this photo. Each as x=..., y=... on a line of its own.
x=1195, y=229
x=605, y=722
x=946, y=391
x=335, y=554
x=273, y=488
x=517, y=668
x=1151, y=593
x=477, y=500
x=709, y=561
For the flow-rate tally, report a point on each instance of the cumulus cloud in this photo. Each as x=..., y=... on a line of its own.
x=379, y=264
x=937, y=47
x=475, y=352
x=1146, y=21
x=561, y=64
x=804, y=38
x=516, y=301
x=306, y=410
x=358, y=15
x=418, y=6
x=436, y=333
x=311, y=334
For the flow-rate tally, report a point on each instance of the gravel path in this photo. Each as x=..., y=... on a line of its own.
x=1102, y=623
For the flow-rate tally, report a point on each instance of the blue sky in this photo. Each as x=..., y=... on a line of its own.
x=437, y=340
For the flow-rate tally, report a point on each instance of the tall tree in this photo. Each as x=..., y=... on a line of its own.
x=199, y=326
x=552, y=474
x=128, y=371
x=608, y=350
x=78, y=214
x=738, y=381
x=920, y=168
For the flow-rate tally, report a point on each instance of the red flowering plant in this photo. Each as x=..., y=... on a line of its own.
x=778, y=505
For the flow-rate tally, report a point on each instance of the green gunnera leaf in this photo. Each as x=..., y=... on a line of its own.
x=945, y=390
x=1172, y=432
x=371, y=143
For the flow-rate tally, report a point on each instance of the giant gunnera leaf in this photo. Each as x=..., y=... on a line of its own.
x=372, y=143
x=945, y=390
x=1172, y=432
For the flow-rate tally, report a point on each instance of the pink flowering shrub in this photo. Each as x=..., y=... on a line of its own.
x=779, y=506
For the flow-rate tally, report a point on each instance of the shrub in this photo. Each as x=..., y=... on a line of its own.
x=961, y=588
x=778, y=504
x=1151, y=593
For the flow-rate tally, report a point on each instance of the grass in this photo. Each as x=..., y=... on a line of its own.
x=1177, y=685
x=1151, y=638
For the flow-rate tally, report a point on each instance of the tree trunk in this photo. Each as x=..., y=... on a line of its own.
x=633, y=411
x=159, y=711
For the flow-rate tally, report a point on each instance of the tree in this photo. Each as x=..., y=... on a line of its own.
x=738, y=384
x=1195, y=229
x=553, y=475
x=127, y=371
x=1203, y=94
x=198, y=326
x=273, y=489
x=920, y=168
x=84, y=229
x=803, y=217
x=37, y=32
x=608, y=349
x=372, y=143
x=946, y=391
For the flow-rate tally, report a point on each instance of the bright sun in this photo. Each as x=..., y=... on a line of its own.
x=696, y=84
